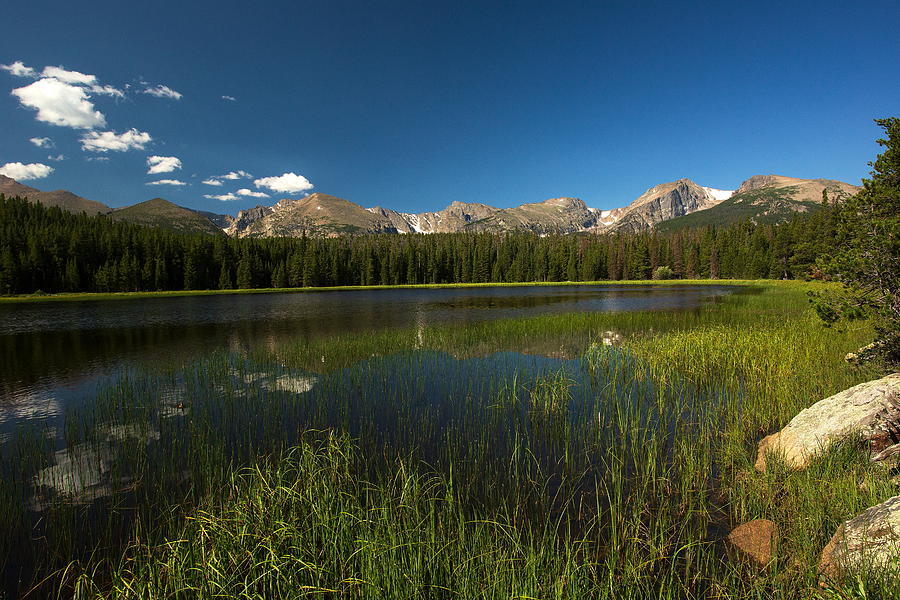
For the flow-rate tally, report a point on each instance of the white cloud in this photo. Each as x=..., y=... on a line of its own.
x=97, y=159
x=43, y=142
x=104, y=141
x=19, y=70
x=212, y=181
x=107, y=90
x=162, y=164
x=60, y=103
x=74, y=77
x=166, y=182
x=251, y=193
x=229, y=98
x=89, y=82
x=21, y=172
x=163, y=91
x=288, y=183
x=57, y=158
x=222, y=197
x=236, y=175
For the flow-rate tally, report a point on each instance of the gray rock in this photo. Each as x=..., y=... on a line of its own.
x=869, y=542
x=870, y=410
x=661, y=203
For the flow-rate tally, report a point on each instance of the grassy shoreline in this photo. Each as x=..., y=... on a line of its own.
x=606, y=476
x=84, y=296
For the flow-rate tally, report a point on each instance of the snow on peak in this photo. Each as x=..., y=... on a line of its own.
x=719, y=194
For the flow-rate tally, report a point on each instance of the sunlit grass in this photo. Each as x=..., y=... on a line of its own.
x=429, y=462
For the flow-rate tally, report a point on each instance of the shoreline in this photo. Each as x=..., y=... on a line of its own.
x=85, y=296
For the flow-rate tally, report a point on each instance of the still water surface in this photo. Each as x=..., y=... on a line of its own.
x=55, y=351
x=115, y=407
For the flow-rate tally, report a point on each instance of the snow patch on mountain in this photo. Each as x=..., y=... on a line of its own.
x=719, y=194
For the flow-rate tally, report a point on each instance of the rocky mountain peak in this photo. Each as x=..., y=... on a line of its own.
x=323, y=214
x=565, y=203
x=760, y=181
x=794, y=189
x=661, y=203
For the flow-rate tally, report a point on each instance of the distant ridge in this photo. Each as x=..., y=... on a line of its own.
x=152, y=213
x=666, y=207
x=165, y=215
x=63, y=199
x=766, y=199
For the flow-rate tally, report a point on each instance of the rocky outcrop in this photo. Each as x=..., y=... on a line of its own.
x=246, y=218
x=800, y=190
x=223, y=222
x=870, y=410
x=318, y=214
x=754, y=541
x=766, y=199
x=327, y=215
x=397, y=220
x=453, y=218
x=868, y=542
x=557, y=215
x=664, y=202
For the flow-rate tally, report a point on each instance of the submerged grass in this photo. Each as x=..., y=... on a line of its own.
x=378, y=466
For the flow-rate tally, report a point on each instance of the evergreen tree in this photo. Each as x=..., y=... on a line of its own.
x=677, y=256
x=867, y=257
x=225, y=280
x=9, y=275
x=244, y=273
x=714, y=262
x=279, y=276
x=190, y=272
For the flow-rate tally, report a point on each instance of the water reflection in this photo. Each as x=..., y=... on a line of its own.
x=147, y=437
x=34, y=404
x=56, y=354
x=83, y=472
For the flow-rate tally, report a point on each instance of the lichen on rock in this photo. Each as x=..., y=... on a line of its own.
x=869, y=542
x=870, y=410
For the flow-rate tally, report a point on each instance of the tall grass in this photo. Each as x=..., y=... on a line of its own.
x=450, y=462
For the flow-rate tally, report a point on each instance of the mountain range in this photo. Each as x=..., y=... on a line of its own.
x=668, y=206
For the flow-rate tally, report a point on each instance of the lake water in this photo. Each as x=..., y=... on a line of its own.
x=54, y=352
x=111, y=409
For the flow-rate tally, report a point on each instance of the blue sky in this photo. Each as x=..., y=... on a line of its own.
x=412, y=105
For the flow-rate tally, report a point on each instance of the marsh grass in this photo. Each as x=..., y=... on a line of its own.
x=451, y=462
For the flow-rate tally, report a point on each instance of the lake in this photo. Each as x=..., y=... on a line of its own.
x=109, y=409
x=54, y=352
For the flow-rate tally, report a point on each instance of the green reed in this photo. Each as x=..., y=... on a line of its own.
x=327, y=467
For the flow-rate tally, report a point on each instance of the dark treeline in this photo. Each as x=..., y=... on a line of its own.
x=50, y=250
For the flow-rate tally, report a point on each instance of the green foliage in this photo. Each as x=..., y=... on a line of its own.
x=609, y=478
x=866, y=256
x=663, y=272
x=166, y=215
x=56, y=251
x=612, y=483
x=765, y=206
